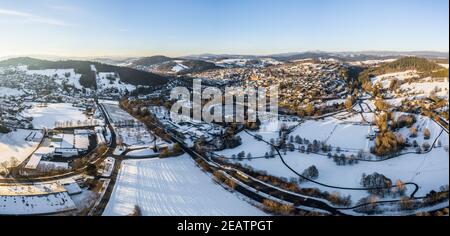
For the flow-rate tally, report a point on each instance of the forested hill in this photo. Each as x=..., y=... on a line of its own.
x=127, y=75
x=166, y=64
x=149, y=61
x=421, y=65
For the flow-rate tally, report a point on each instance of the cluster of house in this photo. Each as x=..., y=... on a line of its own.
x=225, y=75
x=300, y=83
x=191, y=130
x=38, y=87
x=59, y=145
x=11, y=113
x=303, y=83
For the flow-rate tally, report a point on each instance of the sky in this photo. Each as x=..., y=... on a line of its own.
x=84, y=28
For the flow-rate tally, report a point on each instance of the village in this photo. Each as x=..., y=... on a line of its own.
x=81, y=146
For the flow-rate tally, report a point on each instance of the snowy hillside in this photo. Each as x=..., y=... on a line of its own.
x=246, y=62
x=6, y=92
x=67, y=76
x=110, y=80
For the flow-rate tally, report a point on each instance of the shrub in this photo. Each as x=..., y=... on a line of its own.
x=388, y=143
x=413, y=132
x=311, y=172
x=91, y=169
x=4, y=129
x=377, y=184
x=426, y=146
x=426, y=133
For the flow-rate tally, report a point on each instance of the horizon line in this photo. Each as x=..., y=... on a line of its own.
x=115, y=56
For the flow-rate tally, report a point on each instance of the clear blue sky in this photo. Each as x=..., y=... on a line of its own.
x=183, y=27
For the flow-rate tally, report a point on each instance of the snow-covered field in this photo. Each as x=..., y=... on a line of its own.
x=426, y=87
x=172, y=187
x=14, y=144
x=430, y=171
x=131, y=132
x=117, y=114
x=249, y=145
x=335, y=133
x=386, y=78
x=422, y=124
x=46, y=117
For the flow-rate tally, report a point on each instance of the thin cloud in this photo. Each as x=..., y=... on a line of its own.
x=66, y=8
x=32, y=18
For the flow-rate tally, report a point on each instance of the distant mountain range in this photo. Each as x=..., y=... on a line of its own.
x=346, y=56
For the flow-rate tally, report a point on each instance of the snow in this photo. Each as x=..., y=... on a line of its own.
x=444, y=65
x=228, y=62
x=315, y=130
x=335, y=101
x=72, y=188
x=135, y=137
x=346, y=117
x=34, y=199
x=110, y=80
x=51, y=165
x=395, y=101
x=142, y=153
x=82, y=141
x=36, y=205
x=130, y=131
x=242, y=62
x=385, y=78
x=117, y=114
x=249, y=145
x=46, y=117
x=108, y=167
x=172, y=187
x=427, y=87
x=372, y=62
x=67, y=75
x=6, y=92
x=335, y=133
x=421, y=124
x=14, y=144
x=33, y=163
x=179, y=67
x=430, y=171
